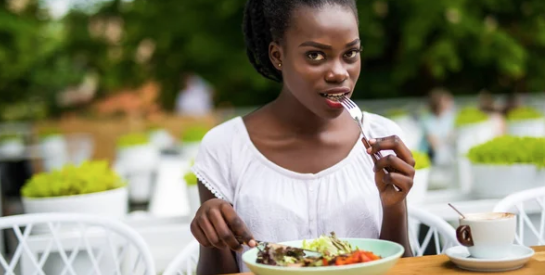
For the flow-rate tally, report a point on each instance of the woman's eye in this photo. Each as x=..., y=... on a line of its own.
x=352, y=53
x=315, y=56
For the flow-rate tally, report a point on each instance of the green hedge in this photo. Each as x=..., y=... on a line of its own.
x=470, y=115
x=89, y=177
x=194, y=134
x=509, y=150
x=421, y=159
x=523, y=113
x=134, y=139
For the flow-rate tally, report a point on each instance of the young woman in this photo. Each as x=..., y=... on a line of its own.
x=296, y=168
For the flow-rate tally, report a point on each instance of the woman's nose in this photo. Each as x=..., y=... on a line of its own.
x=337, y=72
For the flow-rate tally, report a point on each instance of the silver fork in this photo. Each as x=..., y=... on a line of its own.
x=356, y=113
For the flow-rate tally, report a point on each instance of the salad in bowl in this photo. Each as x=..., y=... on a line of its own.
x=331, y=255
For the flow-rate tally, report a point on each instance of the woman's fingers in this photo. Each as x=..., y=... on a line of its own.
x=216, y=224
x=405, y=183
x=237, y=226
x=397, y=164
x=392, y=143
x=210, y=232
x=199, y=234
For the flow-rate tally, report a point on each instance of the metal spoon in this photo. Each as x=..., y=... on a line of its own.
x=458, y=211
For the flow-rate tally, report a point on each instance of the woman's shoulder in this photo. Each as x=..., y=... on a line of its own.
x=223, y=133
x=381, y=126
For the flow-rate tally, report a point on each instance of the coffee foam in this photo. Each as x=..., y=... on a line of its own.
x=488, y=216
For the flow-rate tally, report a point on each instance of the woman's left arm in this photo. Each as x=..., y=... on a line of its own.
x=395, y=217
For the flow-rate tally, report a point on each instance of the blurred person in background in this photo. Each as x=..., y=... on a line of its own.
x=488, y=105
x=196, y=96
x=439, y=127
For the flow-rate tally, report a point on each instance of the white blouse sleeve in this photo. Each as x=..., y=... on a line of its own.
x=383, y=127
x=213, y=164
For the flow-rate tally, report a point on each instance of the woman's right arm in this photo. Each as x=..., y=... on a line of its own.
x=217, y=227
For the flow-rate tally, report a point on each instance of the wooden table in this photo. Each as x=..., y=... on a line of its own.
x=441, y=265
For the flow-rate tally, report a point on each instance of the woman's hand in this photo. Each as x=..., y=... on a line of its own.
x=402, y=166
x=216, y=224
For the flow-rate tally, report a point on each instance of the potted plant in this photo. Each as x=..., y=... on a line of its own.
x=526, y=121
x=473, y=127
x=191, y=138
x=137, y=161
x=11, y=145
x=506, y=165
x=160, y=137
x=420, y=183
x=92, y=187
x=53, y=148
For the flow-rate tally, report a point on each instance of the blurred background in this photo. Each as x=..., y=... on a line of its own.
x=137, y=83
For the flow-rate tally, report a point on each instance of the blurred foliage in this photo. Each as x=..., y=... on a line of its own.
x=190, y=179
x=409, y=47
x=396, y=113
x=422, y=160
x=523, y=113
x=132, y=139
x=469, y=115
x=9, y=137
x=89, y=177
x=499, y=151
x=194, y=133
x=49, y=132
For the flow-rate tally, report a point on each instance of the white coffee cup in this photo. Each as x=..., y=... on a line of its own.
x=488, y=235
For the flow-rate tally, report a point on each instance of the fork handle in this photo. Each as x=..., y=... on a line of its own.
x=377, y=156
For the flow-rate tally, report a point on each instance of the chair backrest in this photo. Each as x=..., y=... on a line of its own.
x=529, y=205
x=442, y=233
x=185, y=263
x=56, y=243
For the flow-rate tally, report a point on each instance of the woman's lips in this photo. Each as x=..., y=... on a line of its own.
x=333, y=96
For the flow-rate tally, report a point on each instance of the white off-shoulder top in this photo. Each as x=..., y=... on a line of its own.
x=281, y=205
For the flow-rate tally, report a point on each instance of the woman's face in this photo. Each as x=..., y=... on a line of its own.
x=320, y=56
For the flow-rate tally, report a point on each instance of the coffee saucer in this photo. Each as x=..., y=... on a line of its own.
x=459, y=255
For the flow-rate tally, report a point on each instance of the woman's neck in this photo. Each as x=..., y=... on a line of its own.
x=296, y=117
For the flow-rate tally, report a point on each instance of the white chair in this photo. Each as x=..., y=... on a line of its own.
x=186, y=261
x=55, y=243
x=531, y=228
x=443, y=233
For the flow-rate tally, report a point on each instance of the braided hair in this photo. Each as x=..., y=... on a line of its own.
x=266, y=21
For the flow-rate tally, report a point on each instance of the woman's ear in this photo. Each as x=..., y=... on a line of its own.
x=275, y=54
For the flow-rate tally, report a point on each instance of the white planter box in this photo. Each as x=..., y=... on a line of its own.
x=190, y=150
x=111, y=203
x=54, y=152
x=138, y=166
x=161, y=139
x=140, y=186
x=194, y=199
x=540, y=177
x=138, y=158
x=413, y=133
x=498, y=181
x=12, y=148
x=420, y=186
x=530, y=128
x=472, y=135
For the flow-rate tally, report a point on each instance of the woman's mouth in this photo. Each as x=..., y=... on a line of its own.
x=334, y=97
